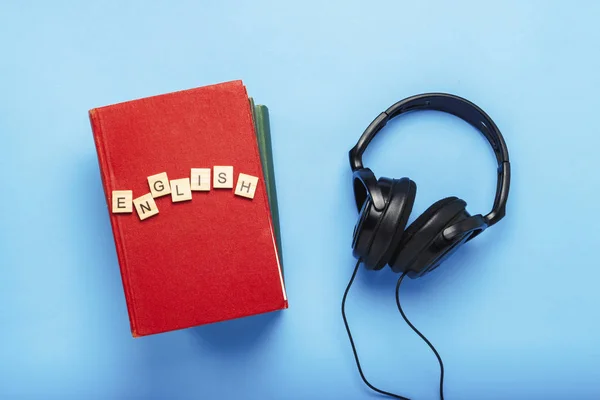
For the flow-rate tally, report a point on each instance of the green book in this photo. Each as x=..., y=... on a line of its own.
x=260, y=114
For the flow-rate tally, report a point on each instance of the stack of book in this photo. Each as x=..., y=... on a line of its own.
x=190, y=191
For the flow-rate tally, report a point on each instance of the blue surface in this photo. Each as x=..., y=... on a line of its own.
x=515, y=314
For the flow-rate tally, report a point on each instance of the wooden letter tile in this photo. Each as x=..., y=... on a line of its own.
x=246, y=186
x=180, y=190
x=223, y=177
x=159, y=185
x=121, y=201
x=145, y=206
x=200, y=179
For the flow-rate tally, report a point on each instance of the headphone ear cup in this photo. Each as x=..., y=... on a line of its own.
x=417, y=252
x=422, y=219
x=400, y=196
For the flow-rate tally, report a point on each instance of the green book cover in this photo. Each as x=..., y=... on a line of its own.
x=260, y=114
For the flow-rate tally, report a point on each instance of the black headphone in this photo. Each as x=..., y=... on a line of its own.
x=385, y=204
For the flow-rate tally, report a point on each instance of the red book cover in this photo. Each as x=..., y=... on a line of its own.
x=211, y=256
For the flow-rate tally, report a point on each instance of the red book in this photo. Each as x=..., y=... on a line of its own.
x=207, y=255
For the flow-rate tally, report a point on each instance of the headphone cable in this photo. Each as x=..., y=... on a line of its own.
x=409, y=324
x=420, y=335
x=352, y=341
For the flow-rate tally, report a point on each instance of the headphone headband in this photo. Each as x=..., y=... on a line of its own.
x=462, y=109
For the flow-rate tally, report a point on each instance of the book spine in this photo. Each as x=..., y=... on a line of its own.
x=264, y=135
x=106, y=175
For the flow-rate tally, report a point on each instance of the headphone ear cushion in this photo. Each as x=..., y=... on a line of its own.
x=366, y=191
x=400, y=197
x=364, y=229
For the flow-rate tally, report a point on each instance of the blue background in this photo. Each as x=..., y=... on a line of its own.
x=514, y=314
